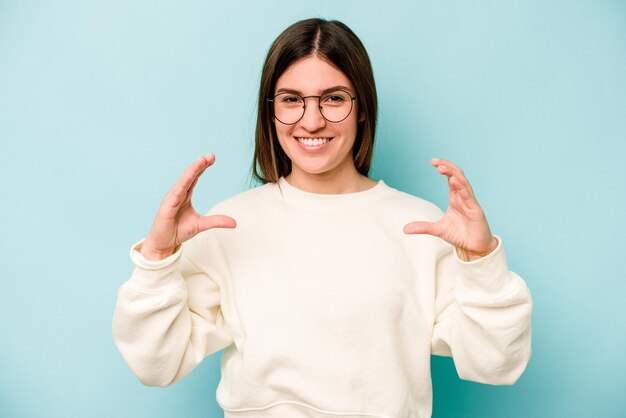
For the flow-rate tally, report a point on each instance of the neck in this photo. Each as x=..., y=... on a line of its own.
x=349, y=180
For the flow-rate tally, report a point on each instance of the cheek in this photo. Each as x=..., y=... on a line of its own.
x=349, y=130
x=282, y=134
x=283, y=129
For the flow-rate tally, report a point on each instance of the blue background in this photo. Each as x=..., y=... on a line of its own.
x=103, y=104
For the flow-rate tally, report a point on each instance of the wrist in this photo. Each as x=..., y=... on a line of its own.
x=155, y=254
x=467, y=255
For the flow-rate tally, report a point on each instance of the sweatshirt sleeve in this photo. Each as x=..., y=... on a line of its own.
x=483, y=315
x=167, y=318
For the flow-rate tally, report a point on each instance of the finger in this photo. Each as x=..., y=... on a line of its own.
x=461, y=199
x=445, y=170
x=419, y=227
x=450, y=174
x=210, y=159
x=437, y=162
x=196, y=169
x=463, y=191
x=215, y=221
x=193, y=185
x=442, y=161
x=190, y=176
x=452, y=171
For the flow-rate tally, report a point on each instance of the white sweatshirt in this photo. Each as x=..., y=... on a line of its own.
x=324, y=307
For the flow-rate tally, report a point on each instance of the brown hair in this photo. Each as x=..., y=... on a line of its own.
x=334, y=42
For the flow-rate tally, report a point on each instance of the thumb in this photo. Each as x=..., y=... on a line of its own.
x=419, y=227
x=215, y=221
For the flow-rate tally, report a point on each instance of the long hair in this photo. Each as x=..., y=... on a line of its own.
x=335, y=43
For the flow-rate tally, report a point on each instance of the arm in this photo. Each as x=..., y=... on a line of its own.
x=167, y=319
x=168, y=315
x=483, y=314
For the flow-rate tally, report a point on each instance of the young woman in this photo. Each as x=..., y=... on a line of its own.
x=328, y=291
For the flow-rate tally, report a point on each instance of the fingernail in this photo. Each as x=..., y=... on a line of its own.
x=435, y=160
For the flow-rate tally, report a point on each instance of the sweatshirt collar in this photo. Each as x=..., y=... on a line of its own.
x=328, y=202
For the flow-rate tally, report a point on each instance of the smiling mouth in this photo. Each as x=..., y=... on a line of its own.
x=313, y=142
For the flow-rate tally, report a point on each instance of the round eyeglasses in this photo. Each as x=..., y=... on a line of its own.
x=335, y=106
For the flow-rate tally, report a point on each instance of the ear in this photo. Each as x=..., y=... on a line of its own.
x=361, y=117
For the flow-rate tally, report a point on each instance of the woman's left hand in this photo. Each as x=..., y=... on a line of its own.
x=464, y=224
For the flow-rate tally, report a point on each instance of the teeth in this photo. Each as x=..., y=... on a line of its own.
x=312, y=141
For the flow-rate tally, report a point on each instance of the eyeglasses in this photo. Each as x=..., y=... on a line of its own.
x=289, y=108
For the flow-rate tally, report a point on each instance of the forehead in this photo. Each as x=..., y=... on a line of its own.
x=312, y=75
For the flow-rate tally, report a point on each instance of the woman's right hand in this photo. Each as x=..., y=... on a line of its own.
x=176, y=220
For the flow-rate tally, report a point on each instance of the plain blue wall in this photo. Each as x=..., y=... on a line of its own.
x=102, y=104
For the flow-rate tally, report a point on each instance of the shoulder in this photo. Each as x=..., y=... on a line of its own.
x=401, y=203
x=251, y=198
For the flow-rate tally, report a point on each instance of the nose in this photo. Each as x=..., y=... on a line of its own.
x=312, y=120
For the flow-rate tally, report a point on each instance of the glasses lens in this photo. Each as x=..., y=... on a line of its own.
x=336, y=105
x=288, y=108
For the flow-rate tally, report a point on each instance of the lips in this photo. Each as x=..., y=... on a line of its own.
x=311, y=144
x=313, y=141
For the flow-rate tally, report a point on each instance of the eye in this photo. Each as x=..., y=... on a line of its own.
x=335, y=98
x=290, y=99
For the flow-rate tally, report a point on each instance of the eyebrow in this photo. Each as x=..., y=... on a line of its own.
x=333, y=88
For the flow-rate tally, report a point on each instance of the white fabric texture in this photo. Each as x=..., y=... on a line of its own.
x=324, y=307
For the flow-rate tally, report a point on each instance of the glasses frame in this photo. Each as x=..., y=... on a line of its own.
x=270, y=100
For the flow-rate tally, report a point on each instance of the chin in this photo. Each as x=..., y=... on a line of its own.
x=311, y=170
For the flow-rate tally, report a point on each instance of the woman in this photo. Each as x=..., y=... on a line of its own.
x=328, y=291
